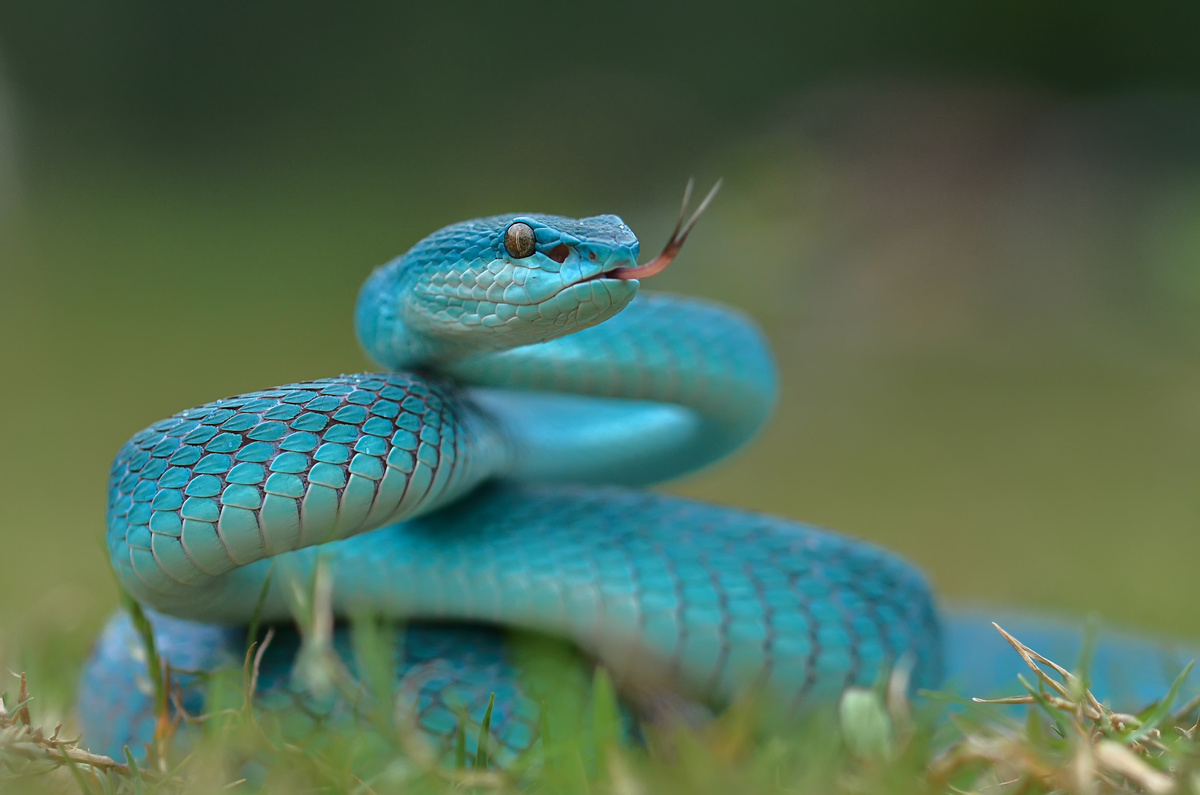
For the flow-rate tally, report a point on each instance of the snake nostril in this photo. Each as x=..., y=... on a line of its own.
x=559, y=253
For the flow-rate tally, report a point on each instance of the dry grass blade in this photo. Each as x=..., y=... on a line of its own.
x=254, y=664
x=1066, y=689
x=22, y=744
x=1100, y=751
x=1124, y=762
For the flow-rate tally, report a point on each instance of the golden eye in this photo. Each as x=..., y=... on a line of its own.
x=519, y=240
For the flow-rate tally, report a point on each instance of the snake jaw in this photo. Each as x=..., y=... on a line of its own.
x=609, y=268
x=682, y=230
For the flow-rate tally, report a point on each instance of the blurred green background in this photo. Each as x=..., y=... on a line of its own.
x=972, y=231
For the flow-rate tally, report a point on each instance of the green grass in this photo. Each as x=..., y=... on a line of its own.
x=874, y=741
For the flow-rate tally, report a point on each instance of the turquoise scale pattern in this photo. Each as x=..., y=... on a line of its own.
x=664, y=351
x=667, y=593
x=210, y=489
x=677, y=599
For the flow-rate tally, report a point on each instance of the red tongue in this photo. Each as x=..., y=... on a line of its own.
x=660, y=263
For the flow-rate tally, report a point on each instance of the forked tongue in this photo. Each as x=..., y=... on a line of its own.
x=660, y=263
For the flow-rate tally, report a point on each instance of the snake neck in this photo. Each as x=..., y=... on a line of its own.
x=665, y=388
x=385, y=334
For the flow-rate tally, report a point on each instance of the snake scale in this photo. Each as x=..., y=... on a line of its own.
x=486, y=483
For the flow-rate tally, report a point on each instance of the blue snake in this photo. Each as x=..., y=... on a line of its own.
x=486, y=483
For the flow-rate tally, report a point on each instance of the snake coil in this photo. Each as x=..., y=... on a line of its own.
x=485, y=482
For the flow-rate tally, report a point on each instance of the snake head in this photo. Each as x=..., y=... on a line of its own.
x=495, y=283
x=502, y=282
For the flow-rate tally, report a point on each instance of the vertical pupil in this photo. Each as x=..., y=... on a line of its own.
x=518, y=239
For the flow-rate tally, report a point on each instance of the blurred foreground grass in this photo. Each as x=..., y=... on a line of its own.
x=874, y=741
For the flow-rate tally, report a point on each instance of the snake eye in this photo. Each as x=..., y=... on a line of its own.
x=519, y=240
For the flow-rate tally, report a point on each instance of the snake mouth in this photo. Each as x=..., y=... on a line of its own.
x=603, y=276
x=625, y=273
x=604, y=279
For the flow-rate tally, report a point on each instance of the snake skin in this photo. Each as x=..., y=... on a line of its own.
x=442, y=672
x=199, y=495
x=479, y=487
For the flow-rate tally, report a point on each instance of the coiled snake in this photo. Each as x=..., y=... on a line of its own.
x=487, y=481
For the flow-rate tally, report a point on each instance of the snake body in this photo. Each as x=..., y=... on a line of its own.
x=485, y=483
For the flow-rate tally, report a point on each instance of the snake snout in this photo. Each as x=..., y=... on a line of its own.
x=607, y=266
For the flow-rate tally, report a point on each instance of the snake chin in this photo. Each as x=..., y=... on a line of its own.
x=585, y=303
